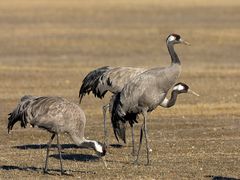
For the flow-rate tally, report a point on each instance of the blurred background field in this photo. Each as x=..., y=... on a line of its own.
x=47, y=47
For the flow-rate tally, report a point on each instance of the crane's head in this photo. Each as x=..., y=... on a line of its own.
x=100, y=149
x=183, y=88
x=176, y=39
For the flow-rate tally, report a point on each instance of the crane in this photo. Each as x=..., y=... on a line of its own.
x=56, y=115
x=166, y=103
x=145, y=92
x=104, y=79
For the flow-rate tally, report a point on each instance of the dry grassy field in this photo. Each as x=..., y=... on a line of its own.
x=47, y=47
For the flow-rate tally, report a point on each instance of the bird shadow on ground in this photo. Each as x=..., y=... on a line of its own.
x=63, y=146
x=44, y=146
x=73, y=157
x=38, y=170
x=221, y=178
x=10, y=168
x=76, y=157
x=116, y=145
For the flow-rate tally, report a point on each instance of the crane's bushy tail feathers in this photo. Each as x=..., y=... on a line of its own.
x=120, y=131
x=119, y=119
x=90, y=83
x=19, y=114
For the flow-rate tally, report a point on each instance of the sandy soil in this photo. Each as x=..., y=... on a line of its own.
x=48, y=47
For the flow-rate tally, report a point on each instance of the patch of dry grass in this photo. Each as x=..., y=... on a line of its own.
x=47, y=47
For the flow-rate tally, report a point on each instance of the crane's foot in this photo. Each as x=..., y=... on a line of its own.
x=66, y=173
x=63, y=173
x=148, y=163
x=46, y=172
x=133, y=153
x=135, y=162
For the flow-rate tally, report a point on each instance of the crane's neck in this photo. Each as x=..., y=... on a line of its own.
x=173, y=54
x=167, y=103
x=88, y=144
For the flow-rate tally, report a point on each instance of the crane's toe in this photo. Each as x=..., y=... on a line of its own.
x=66, y=173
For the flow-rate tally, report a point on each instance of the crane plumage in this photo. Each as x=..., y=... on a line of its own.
x=56, y=115
x=91, y=83
x=104, y=79
x=145, y=92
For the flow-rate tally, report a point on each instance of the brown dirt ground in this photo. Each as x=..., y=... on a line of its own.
x=47, y=47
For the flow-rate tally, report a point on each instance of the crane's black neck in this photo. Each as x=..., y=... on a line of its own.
x=88, y=144
x=173, y=99
x=173, y=54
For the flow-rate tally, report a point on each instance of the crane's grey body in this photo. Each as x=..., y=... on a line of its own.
x=117, y=77
x=105, y=79
x=149, y=89
x=144, y=93
x=56, y=115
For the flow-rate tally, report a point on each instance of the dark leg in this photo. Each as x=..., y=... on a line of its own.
x=48, y=147
x=60, y=154
x=105, y=124
x=133, y=146
x=146, y=136
x=140, y=144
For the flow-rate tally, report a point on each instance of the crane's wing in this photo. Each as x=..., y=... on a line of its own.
x=18, y=114
x=91, y=81
x=115, y=79
x=105, y=79
x=30, y=109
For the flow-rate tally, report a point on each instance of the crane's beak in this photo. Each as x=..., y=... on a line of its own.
x=185, y=42
x=104, y=162
x=192, y=92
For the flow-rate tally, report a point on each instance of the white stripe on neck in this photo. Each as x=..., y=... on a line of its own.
x=164, y=102
x=98, y=147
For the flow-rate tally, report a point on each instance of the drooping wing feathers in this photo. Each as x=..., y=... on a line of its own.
x=19, y=114
x=118, y=118
x=30, y=109
x=90, y=83
x=106, y=79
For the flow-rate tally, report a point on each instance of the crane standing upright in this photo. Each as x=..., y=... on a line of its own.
x=145, y=92
x=119, y=127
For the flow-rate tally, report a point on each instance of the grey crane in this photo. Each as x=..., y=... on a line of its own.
x=104, y=79
x=178, y=88
x=145, y=92
x=56, y=115
x=166, y=103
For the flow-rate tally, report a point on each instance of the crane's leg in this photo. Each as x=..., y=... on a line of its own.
x=48, y=147
x=133, y=146
x=140, y=144
x=146, y=134
x=105, y=124
x=60, y=155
